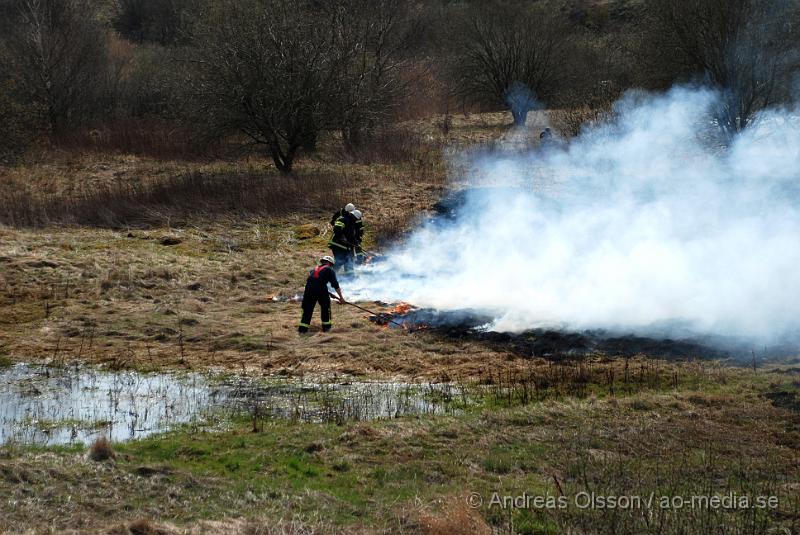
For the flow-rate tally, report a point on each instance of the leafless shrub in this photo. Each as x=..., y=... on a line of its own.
x=161, y=21
x=280, y=72
x=101, y=450
x=19, y=121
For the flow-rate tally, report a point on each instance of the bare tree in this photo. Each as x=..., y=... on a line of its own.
x=511, y=54
x=279, y=72
x=747, y=49
x=58, y=53
x=18, y=121
x=267, y=70
x=384, y=34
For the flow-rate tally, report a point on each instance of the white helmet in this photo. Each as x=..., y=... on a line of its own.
x=328, y=259
x=357, y=214
x=349, y=207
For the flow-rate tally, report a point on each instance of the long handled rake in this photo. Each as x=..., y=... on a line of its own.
x=378, y=314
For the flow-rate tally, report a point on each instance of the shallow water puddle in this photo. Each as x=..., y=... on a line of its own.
x=58, y=405
x=42, y=404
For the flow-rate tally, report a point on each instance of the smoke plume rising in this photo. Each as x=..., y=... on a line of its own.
x=643, y=224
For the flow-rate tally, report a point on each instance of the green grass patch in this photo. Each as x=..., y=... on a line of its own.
x=662, y=441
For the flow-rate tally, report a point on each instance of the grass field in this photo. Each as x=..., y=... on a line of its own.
x=195, y=283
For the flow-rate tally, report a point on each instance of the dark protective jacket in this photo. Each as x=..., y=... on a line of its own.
x=344, y=233
x=359, y=231
x=342, y=213
x=319, y=278
x=337, y=214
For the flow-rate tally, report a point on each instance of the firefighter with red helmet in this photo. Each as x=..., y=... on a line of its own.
x=316, y=291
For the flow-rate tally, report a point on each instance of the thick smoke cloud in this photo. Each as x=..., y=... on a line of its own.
x=642, y=225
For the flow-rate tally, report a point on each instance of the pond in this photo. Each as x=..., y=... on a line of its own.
x=47, y=405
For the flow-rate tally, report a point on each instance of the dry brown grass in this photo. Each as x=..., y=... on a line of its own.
x=454, y=518
x=190, y=196
x=143, y=136
x=570, y=122
x=141, y=527
x=125, y=298
x=101, y=450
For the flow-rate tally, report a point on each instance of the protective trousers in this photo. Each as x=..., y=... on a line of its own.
x=310, y=300
x=343, y=257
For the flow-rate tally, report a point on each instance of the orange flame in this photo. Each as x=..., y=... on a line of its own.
x=402, y=308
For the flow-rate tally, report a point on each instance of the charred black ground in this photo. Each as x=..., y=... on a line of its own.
x=559, y=345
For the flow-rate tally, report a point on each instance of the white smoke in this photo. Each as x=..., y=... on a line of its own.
x=639, y=225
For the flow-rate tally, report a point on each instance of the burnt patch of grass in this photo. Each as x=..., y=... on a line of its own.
x=785, y=399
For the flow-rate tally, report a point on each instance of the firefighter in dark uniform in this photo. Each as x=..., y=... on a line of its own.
x=358, y=235
x=546, y=137
x=344, y=212
x=342, y=242
x=317, y=292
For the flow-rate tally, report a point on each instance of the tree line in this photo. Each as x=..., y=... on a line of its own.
x=275, y=75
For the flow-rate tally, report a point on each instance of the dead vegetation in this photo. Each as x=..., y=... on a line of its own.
x=141, y=527
x=184, y=197
x=193, y=265
x=454, y=518
x=101, y=450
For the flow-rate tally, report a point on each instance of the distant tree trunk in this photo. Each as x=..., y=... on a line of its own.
x=283, y=159
x=309, y=142
x=353, y=138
